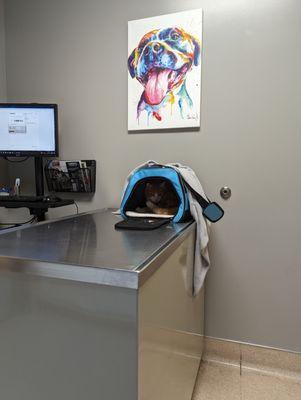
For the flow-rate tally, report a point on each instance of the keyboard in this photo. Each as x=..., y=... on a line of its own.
x=21, y=199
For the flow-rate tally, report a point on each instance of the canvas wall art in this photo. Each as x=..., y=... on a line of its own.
x=164, y=71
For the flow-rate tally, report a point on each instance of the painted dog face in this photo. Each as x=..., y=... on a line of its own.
x=161, y=61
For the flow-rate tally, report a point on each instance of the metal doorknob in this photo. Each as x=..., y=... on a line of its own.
x=225, y=192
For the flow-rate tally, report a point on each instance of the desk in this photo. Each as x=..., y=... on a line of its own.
x=36, y=208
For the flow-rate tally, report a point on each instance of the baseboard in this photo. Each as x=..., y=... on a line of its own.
x=246, y=356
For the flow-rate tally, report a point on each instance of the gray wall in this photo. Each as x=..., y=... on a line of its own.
x=74, y=53
x=5, y=169
x=2, y=54
x=3, y=166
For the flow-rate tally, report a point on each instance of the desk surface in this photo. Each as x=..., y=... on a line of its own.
x=43, y=205
x=89, y=241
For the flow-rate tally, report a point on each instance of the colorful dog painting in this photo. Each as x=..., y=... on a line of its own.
x=162, y=63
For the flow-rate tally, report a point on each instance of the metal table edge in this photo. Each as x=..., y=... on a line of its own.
x=70, y=272
x=131, y=279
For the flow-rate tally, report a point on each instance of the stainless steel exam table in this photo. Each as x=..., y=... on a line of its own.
x=88, y=312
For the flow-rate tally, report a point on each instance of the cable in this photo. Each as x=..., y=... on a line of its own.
x=16, y=161
x=8, y=227
x=76, y=207
x=19, y=223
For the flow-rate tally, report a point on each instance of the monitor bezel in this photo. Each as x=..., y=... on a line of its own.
x=22, y=153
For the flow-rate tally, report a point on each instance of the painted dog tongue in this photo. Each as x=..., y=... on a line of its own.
x=157, y=86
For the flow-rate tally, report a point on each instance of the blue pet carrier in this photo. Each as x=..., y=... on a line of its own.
x=133, y=196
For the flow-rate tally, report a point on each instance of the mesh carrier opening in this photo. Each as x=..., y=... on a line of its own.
x=137, y=199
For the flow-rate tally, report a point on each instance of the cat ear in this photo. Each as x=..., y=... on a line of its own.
x=131, y=64
x=163, y=184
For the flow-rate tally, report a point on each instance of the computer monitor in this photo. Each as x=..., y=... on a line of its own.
x=28, y=129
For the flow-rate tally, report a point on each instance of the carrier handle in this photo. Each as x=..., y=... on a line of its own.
x=211, y=210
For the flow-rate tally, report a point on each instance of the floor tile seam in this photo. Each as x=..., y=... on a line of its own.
x=273, y=373
x=220, y=362
x=240, y=373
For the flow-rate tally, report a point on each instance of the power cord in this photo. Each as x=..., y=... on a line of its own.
x=14, y=224
x=16, y=161
x=76, y=207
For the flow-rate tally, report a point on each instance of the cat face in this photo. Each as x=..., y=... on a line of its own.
x=155, y=191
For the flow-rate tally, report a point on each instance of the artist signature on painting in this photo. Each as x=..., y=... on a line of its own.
x=192, y=116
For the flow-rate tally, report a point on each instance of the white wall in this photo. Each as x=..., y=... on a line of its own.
x=74, y=52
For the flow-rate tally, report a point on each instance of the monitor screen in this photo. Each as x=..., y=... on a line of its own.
x=28, y=129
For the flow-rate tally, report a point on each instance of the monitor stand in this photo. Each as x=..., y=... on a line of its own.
x=39, y=176
x=37, y=208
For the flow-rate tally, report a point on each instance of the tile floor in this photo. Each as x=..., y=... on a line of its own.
x=226, y=382
x=241, y=372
